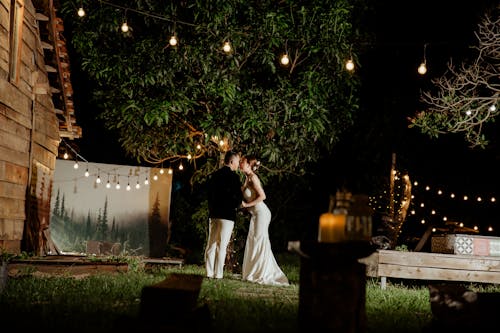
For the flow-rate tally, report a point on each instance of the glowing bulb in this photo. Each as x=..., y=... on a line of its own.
x=285, y=60
x=75, y=165
x=137, y=186
x=198, y=146
x=181, y=167
x=98, y=180
x=162, y=171
x=155, y=177
x=124, y=27
x=349, y=65
x=170, y=171
x=66, y=156
x=108, y=185
x=466, y=197
x=87, y=173
x=173, y=41
x=476, y=228
x=422, y=69
x=128, y=187
x=81, y=12
x=493, y=108
x=189, y=156
x=226, y=47
x=221, y=143
x=146, y=182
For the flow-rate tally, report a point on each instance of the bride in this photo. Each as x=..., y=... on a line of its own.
x=259, y=264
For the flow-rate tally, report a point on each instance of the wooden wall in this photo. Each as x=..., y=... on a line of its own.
x=29, y=138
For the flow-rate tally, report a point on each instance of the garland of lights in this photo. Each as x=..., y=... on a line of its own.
x=112, y=175
x=378, y=203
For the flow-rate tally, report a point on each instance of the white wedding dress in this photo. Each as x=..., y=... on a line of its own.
x=259, y=264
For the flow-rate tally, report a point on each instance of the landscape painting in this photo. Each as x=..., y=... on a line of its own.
x=110, y=209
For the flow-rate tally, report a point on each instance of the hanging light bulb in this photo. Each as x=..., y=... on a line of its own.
x=155, y=177
x=125, y=27
x=137, y=186
x=162, y=171
x=422, y=69
x=181, y=167
x=87, y=174
x=349, y=65
x=98, y=180
x=285, y=60
x=65, y=155
x=227, y=47
x=75, y=166
x=81, y=12
x=173, y=40
x=146, y=181
x=189, y=156
x=170, y=171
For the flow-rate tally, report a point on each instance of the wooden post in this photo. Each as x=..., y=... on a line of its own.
x=332, y=291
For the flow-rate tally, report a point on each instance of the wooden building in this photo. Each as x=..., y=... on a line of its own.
x=36, y=112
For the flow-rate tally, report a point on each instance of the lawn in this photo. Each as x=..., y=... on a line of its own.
x=111, y=303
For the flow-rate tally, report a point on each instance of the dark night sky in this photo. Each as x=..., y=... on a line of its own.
x=390, y=94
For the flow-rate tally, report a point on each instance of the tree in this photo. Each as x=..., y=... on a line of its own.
x=466, y=99
x=190, y=102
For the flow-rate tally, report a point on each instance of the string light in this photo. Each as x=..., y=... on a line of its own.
x=81, y=12
x=285, y=60
x=349, y=65
x=124, y=27
x=173, y=40
x=422, y=69
x=227, y=47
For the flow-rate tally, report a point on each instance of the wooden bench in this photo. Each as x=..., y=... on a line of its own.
x=171, y=302
x=432, y=266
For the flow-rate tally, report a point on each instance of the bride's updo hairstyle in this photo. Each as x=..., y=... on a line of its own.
x=253, y=162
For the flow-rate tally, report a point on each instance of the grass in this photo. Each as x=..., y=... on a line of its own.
x=110, y=303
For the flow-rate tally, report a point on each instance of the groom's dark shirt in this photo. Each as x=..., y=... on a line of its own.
x=224, y=194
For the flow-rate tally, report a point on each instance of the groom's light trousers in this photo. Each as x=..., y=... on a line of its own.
x=219, y=235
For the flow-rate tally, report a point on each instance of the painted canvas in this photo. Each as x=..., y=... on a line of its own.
x=110, y=209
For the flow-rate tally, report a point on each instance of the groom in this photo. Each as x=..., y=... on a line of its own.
x=224, y=198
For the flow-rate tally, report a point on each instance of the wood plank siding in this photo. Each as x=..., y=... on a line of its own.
x=30, y=130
